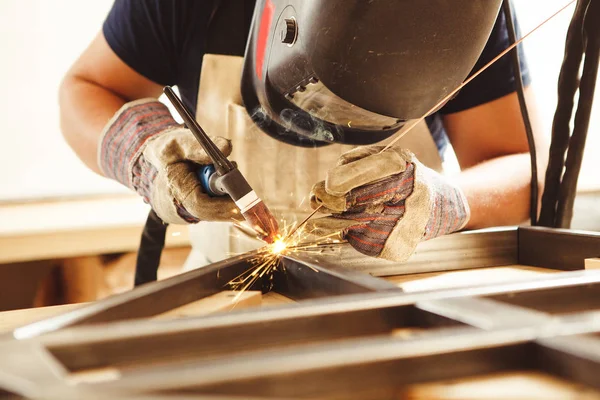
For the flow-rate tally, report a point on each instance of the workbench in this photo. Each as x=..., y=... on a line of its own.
x=470, y=328
x=72, y=236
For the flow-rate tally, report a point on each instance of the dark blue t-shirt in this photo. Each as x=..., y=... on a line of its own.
x=165, y=40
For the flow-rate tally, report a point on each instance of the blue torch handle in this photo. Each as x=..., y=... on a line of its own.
x=204, y=174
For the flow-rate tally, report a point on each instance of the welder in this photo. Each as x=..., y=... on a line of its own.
x=313, y=120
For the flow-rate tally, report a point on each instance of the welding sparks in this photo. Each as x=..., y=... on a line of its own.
x=278, y=246
x=295, y=239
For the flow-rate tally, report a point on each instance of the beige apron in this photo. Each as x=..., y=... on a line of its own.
x=281, y=174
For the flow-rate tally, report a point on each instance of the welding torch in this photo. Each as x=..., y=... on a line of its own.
x=224, y=178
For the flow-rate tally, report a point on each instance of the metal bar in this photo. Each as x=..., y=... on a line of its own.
x=88, y=349
x=555, y=301
x=484, y=313
x=147, y=300
x=576, y=358
x=304, y=280
x=474, y=249
x=560, y=249
x=314, y=321
x=346, y=369
x=298, y=280
x=354, y=368
x=341, y=328
x=157, y=297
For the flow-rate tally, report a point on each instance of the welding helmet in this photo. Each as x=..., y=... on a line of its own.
x=354, y=71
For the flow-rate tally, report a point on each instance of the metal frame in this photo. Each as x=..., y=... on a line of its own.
x=351, y=323
x=299, y=279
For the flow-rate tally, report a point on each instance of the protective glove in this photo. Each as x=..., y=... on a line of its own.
x=145, y=149
x=385, y=203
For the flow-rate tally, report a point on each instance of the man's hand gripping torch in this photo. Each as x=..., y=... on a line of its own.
x=223, y=177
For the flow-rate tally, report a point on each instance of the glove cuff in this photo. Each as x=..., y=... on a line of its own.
x=435, y=207
x=123, y=138
x=411, y=227
x=450, y=210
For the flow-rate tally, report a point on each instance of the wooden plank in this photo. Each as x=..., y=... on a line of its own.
x=49, y=230
x=465, y=250
x=472, y=277
x=592, y=263
x=10, y=320
x=561, y=249
x=219, y=302
x=271, y=299
x=502, y=386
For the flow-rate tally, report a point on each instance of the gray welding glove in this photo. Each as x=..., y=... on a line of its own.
x=385, y=203
x=145, y=149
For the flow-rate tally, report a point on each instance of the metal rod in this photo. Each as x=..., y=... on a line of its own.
x=222, y=164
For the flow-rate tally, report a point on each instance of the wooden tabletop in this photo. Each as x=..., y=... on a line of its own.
x=71, y=228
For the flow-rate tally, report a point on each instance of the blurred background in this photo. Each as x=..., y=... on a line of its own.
x=46, y=193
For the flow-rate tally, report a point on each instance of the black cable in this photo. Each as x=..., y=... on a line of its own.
x=151, y=247
x=508, y=14
x=587, y=85
x=568, y=83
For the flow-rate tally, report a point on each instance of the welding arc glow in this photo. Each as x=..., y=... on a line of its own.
x=278, y=246
x=294, y=240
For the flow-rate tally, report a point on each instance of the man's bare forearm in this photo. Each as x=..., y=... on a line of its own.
x=498, y=191
x=85, y=108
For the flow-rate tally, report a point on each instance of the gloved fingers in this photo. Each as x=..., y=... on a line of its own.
x=180, y=144
x=391, y=189
x=342, y=179
x=193, y=151
x=371, y=232
x=368, y=198
x=319, y=197
x=358, y=153
x=328, y=226
x=192, y=203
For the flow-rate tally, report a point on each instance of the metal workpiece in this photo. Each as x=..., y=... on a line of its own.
x=299, y=279
x=352, y=368
x=349, y=336
x=149, y=299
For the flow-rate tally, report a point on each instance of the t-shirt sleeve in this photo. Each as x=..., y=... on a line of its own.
x=498, y=80
x=146, y=35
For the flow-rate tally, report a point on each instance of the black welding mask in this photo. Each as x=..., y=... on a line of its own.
x=354, y=71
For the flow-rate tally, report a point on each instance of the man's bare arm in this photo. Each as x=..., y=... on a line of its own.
x=491, y=147
x=93, y=90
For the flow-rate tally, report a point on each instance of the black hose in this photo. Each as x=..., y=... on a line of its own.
x=587, y=85
x=151, y=247
x=568, y=83
x=508, y=14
